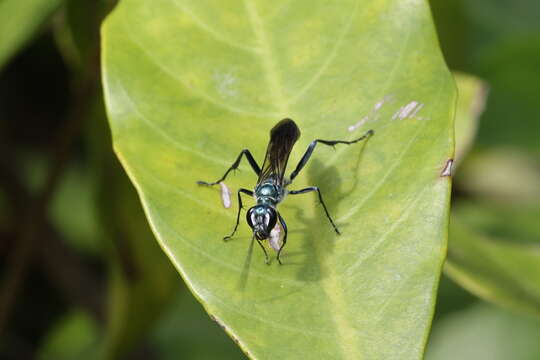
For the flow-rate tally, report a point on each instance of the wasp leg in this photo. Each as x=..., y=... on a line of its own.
x=314, y=188
x=284, y=226
x=266, y=261
x=311, y=147
x=234, y=166
x=240, y=207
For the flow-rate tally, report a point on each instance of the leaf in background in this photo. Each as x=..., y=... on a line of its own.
x=188, y=84
x=451, y=297
x=472, y=95
x=77, y=33
x=73, y=211
x=74, y=336
x=18, y=22
x=501, y=44
x=485, y=333
x=510, y=66
x=180, y=333
x=496, y=261
x=503, y=174
x=506, y=54
x=142, y=282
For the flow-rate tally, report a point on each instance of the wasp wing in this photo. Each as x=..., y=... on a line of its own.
x=283, y=136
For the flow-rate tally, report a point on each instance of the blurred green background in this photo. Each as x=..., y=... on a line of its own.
x=82, y=276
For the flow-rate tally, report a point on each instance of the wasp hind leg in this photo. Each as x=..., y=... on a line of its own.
x=315, y=188
x=284, y=226
x=266, y=259
x=234, y=166
x=332, y=143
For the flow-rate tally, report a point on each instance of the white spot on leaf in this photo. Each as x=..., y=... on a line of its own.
x=372, y=116
x=225, y=84
x=275, y=239
x=225, y=195
x=408, y=111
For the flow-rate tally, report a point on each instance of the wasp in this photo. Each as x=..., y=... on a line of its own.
x=271, y=186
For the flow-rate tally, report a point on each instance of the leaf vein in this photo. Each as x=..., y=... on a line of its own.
x=366, y=254
x=192, y=90
x=165, y=135
x=267, y=57
x=216, y=34
x=329, y=59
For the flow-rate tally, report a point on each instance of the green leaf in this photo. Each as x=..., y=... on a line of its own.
x=188, y=84
x=77, y=33
x=485, y=333
x=185, y=329
x=73, y=210
x=471, y=102
x=18, y=22
x=142, y=281
x=503, y=174
x=497, y=261
x=75, y=335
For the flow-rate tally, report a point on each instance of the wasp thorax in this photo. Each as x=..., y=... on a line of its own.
x=267, y=190
x=262, y=219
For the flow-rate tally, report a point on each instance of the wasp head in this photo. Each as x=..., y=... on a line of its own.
x=262, y=219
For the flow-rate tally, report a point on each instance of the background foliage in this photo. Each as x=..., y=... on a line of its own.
x=83, y=277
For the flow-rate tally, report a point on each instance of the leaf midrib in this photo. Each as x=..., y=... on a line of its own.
x=271, y=72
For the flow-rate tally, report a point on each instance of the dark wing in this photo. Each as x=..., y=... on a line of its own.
x=282, y=139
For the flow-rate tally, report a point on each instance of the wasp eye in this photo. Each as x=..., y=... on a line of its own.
x=250, y=217
x=271, y=216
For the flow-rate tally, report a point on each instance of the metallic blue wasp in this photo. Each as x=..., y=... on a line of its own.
x=271, y=186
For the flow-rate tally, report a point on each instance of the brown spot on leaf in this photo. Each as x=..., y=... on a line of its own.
x=447, y=170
